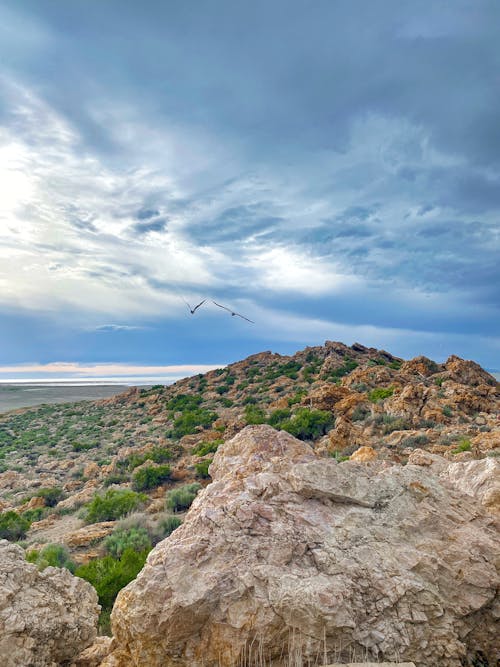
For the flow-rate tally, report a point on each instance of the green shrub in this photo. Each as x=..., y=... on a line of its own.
x=254, y=415
x=438, y=381
x=207, y=447
x=297, y=397
x=415, y=441
x=380, y=393
x=54, y=555
x=115, y=478
x=189, y=421
x=122, y=539
x=308, y=424
x=202, y=468
x=169, y=524
x=181, y=498
x=346, y=368
x=360, y=413
x=277, y=417
x=13, y=526
x=447, y=411
x=84, y=446
x=34, y=514
x=183, y=402
x=51, y=495
x=112, y=505
x=109, y=575
x=150, y=477
x=339, y=457
x=463, y=446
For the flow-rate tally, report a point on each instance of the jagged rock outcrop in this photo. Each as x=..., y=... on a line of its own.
x=352, y=559
x=46, y=618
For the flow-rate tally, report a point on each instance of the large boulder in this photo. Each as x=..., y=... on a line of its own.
x=46, y=618
x=286, y=552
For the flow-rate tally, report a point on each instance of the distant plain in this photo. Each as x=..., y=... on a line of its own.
x=14, y=396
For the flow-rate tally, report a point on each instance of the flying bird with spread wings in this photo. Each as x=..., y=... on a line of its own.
x=193, y=310
x=232, y=312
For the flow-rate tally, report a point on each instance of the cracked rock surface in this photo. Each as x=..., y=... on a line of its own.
x=287, y=552
x=46, y=618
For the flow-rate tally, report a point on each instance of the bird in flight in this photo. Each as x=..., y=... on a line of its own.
x=232, y=312
x=193, y=310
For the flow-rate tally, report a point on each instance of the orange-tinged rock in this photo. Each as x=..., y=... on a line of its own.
x=89, y=534
x=91, y=470
x=364, y=454
x=32, y=504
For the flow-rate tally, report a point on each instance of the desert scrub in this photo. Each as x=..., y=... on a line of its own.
x=136, y=538
x=415, y=441
x=380, y=393
x=51, y=495
x=360, y=413
x=112, y=505
x=447, y=411
x=254, y=414
x=463, y=446
x=190, y=421
x=150, y=477
x=168, y=525
x=339, y=372
x=53, y=555
x=205, y=448
x=308, y=424
x=13, y=526
x=181, y=498
x=202, y=469
x=109, y=575
x=277, y=417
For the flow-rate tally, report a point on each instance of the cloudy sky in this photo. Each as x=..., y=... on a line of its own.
x=330, y=169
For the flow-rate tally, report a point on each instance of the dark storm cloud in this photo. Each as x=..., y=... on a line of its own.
x=362, y=136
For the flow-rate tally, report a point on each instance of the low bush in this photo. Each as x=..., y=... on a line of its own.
x=447, y=411
x=308, y=424
x=181, y=498
x=150, y=477
x=380, y=393
x=51, y=495
x=277, y=417
x=204, y=448
x=360, y=413
x=202, y=468
x=254, y=415
x=13, y=526
x=169, y=524
x=190, y=420
x=122, y=539
x=415, y=441
x=54, y=555
x=112, y=505
x=463, y=446
x=109, y=575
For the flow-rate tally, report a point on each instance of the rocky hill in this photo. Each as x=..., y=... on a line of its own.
x=86, y=482
x=94, y=486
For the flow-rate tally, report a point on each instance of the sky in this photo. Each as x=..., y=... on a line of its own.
x=331, y=170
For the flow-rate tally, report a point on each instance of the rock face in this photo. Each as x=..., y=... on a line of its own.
x=347, y=561
x=46, y=618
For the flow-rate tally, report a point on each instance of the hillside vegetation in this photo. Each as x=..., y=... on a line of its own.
x=106, y=480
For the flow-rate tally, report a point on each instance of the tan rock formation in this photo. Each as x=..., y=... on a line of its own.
x=89, y=534
x=46, y=618
x=364, y=454
x=386, y=561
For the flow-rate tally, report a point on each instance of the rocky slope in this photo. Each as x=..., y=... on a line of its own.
x=290, y=553
x=367, y=399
